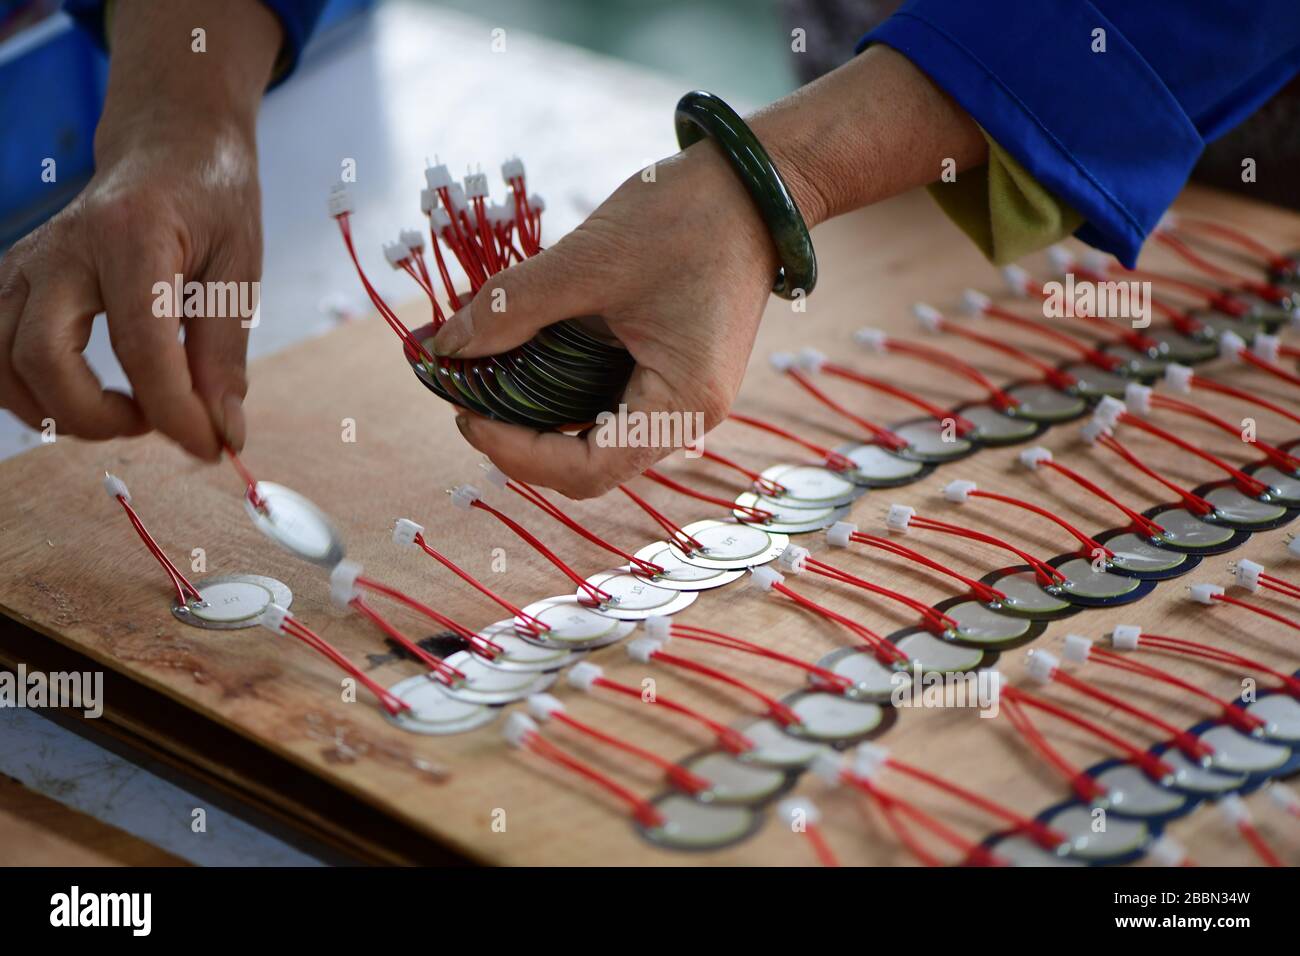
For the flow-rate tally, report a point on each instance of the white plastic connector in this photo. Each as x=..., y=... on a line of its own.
x=543, y=706
x=413, y=239
x=898, y=517
x=642, y=649
x=518, y=728
x=1017, y=280
x=273, y=617
x=116, y=487
x=1109, y=410
x=495, y=475
x=428, y=201
x=765, y=578
x=1284, y=797
x=781, y=361
x=340, y=200
x=1125, y=637
x=1231, y=345
x=583, y=676
x=810, y=359
x=439, y=220
x=1234, y=809
x=840, y=534
x=396, y=253
x=798, y=812
x=1061, y=258
x=456, y=193
x=1092, y=430
x=1041, y=665
x=869, y=759
x=873, y=339
x=1247, y=574
x=1204, y=593
x=1178, y=378
x=476, y=186
x=794, y=559
x=512, y=168
x=437, y=176
x=1137, y=399
x=659, y=628
x=959, y=490
x=1096, y=261
x=828, y=766
x=931, y=319
x=1077, y=649
x=405, y=532
x=1166, y=851
x=464, y=496
x=1266, y=346
x=1033, y=458
x=974, y=302
x=536, y=203
x=343, y=582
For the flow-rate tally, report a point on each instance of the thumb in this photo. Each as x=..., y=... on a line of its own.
x=216, y=347
x=515, y=303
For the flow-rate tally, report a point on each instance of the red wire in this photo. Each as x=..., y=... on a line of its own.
x=1140, y=521
x=1264, y=612
x=937, y=621
x=295, y=628
x=1274, y=260
x=1194, y=502
x=950, y=363
x=879, y=434
x=179, y=581
x=534, y=625
x=756, y=515
x=1178, y=645
x=594, y=594
x=886, y=652
x=1086, y=540
x=1276, y=455
x=775, y=709
x=832, y=459
x=825, y=856
x=689, y=632
x=677, y=775
x=444, y=670
x=1053, y=376
x=1082, y=349
x=642, y=810
x=731, y=740
x=981, y=591
x=963, y=426
x=684, y=541
x=1243, y=721
x=1044, y=572
x=763, y=486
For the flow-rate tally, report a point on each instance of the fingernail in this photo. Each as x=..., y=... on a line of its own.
x=454, y=335
x=232, y=420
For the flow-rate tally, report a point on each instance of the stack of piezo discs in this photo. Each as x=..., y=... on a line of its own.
x=563, y=377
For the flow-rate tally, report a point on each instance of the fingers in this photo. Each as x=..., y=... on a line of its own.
x=48, y=340
x=217, y=347
x=137, y=283
x=515, y=303
x=14, y=395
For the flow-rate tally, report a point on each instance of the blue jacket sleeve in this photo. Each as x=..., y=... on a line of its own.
x=297, y=17
x=1114, y=134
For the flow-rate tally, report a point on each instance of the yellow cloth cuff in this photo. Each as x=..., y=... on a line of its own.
x=1003, y=208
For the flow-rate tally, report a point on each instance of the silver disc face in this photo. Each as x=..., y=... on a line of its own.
x=573, y=626
x=1025, y=596
x=729, y=545
x=297, y=525
x=1019, y=850
x=734, y=781
x=872, y=680
x=484, y=684
x=1133, y=793
x=1138, y=364
x=1231, y=505
x=1119, y=838
x=1137, y=554
x=1237, y=753
x=1198, y=779
x=691, y=825
x=1094, y=382
x=809, y=486
x=930, y=440
x=516, y=654
x=872, y=465
x=977, y=624
x=832, y=718
x=1085, y=581
x=1281, y=716
x=680, y=576
x=1283, y=486
x=773, y=747
x=232, y=601
x=993, y=427
x=634, y=598
x=1039, y=402
x=432, y=711
x=788, y=519
x=1185, y=530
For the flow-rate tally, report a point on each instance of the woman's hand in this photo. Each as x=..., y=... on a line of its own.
x=680, y=266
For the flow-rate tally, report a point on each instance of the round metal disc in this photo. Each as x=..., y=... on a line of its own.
x=834, y=718
x=1019, y=850
x=1185, y=531
x=1283, y=488
x=297, y=525
x=691, y=825
x=433, y=711
x=1237, y=753
x=1119, y=841
x=1040, y=402
x=773, y=747
x=1025, y=596
x=1174, y=346
x=928, y=440
x=1138, y=365
x=874, y=467
x=873, y=680
x=729, y=544
x=1237, y=510
x=1281, y=715
x=573, y=626
x=519, y=655
x=232, y=601
x=809, y=486
x=680, y=576
x=995, y=427
x=982, y=626
x=1197, y=779
x=1133, y=794
x=788, y=519
x=485, y=684
x=1089, y=587
x=635, y=599
x=1094, y=382
x=1214, y=323
x=1135, y=556
x=735, y=781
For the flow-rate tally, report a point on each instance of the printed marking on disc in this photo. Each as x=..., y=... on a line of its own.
x=1040, y=402
x=519, y=655
x=979, y=624
x=832, y=717
x=1094, y=382
x=681, y=576
x=691, y=825
x=872, y=464
x=1135, y=553
x=1132, y=792
x=1231, y=505
x=484, y=684
x=572, y=625
x=1186, y=530
x=1025, y=594
x=808, y=486
x=929, y=440
x=1281, y=714
x=433, y=711
x=1235, y=752
x=729, y=544
x=635, y=598
x=992, y=425
x=232, y=601
x=789, y=519
x=735, y=781
x=297, y=525
x=773, y=747
x=1190, y=776
x=1120, y=837
x=1085, y=581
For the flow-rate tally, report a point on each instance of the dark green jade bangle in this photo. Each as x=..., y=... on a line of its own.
x=699, y=113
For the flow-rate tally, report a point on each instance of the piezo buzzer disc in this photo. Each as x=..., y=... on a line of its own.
x=296, y=524
x=1236, y=509
x=681, y=576
x=1283, y=487
x=1192, y=534
x=1041, y=402
x=483, y=684
x=433, y=711
x=730, y=544
x=929, y=440
x=1093, y=382
x=573, y=625
x=788, y=519
x=232, y=601
x=1137, y=556
x=516, y=654
x=809, y=486
x=1131, y=793
x=875, y=467
x=735, y=781
x=634, y=598
x=688, y=824
x=1025, y=596
x=1089, y=586
x=1120, y=841
x=994, y=427
x=834, y=718
x=979, y=625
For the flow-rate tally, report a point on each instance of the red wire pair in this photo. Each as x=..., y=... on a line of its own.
x=1274, y=454
x=959, y=491
x=1184, y=379
x=761, y=485
x=902, y=518
x=1210, y=593
x=831, y=459
x=1037, y=457
x=978, y=304
x=646, y=649
x=444, y=671
x=1177, y=645
x=1265, y=290
x=1192, y=501
x=826, y=680
x=936, y=621
x=1271, y=259
x=684, y=541
x=756, y=515
x=886, y=652
x=1022, y=285
x=982, y=592
x=878, y=341
x=879, y=434
x=934, y=321
x=286, y=623
x=185, y=591
x=250, y=482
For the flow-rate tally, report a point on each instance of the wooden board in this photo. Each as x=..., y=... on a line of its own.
x=75, y=572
